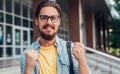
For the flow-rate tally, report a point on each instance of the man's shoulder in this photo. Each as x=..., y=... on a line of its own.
x=60, y=41
x=33, y=45
x=63, y=42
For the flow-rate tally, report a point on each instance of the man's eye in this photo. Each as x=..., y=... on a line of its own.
x=53, y=17
x=44, y=18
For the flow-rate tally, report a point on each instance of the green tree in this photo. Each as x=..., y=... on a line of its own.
x=114, y=34
x=117, y=5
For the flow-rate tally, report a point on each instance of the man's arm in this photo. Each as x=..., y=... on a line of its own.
x=28, y=61
x=22, y=63
x=82, y=66
x=79, y=53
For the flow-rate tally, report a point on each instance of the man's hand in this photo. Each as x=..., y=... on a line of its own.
x=31, y=57
x=78, y=51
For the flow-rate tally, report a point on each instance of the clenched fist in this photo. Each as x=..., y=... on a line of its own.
x=78, y=51
x=31, y=57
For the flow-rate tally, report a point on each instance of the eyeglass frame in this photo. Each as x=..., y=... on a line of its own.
x=53, y=18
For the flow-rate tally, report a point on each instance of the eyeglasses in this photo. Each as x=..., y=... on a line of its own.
x=53, y=18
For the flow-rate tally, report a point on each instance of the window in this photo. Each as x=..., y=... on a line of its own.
x=9, y=5
x=31, y=36
x=17, y=21
x=17, y=7
x=25, y=38
x=1, y=17
x=17, y=37
x=24, y=49
x=31, y=24
x=9, y=52
x=16, y=25
x=25, y=9
x=9, y=35
x=31, y=15
x=1, y=52
x=25, y=23
x=1, y=4
x=1, y=35
x=17, y=51
x=9, y=19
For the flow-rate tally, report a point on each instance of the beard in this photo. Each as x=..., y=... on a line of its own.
x=47, y=36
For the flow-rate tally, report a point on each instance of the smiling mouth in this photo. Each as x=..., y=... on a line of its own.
x=48, y=27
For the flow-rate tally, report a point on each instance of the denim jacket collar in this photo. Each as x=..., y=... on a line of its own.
x=37, y=44
x=57, y=43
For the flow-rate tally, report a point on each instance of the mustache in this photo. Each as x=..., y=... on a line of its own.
x=47, y=25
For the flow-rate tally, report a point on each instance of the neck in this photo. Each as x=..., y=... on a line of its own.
x=46, y=43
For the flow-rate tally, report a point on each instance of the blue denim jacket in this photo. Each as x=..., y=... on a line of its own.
x=62, y=57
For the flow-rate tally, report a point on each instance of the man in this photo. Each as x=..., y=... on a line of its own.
x=48, y=54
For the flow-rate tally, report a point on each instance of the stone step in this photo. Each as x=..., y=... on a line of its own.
x=10, y=70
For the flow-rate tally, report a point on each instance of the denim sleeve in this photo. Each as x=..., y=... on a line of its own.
x=22, y=63
x=75, y=62
x=22, y=58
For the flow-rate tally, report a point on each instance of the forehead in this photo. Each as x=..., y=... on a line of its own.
x=48, y=10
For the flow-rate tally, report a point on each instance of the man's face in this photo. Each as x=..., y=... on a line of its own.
x=48, y=22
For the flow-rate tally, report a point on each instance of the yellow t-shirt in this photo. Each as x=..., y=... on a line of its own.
x=47, y=60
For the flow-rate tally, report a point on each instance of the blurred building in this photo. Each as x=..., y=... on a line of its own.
x=83, y=20
x=16, y=27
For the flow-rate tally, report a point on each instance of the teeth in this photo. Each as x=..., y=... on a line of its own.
x=49, y=28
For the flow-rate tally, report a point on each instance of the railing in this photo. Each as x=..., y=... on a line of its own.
x=101, y=62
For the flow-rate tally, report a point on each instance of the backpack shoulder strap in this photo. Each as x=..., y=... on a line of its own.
x=68, y=45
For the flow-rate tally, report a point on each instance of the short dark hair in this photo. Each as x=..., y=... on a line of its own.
x=45, y=3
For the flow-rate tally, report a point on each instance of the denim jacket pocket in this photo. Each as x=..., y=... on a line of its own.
x=65, y=65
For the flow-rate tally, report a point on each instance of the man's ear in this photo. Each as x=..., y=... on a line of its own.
x=36, y=21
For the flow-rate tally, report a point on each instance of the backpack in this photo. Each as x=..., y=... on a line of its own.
x=68, y=45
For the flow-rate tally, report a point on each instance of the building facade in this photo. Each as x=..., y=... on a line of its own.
x=16, y=27
x=83, y=20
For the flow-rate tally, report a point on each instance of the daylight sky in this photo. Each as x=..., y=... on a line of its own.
x=113, y=11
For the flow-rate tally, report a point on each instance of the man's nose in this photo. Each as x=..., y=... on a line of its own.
x=49, y=21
